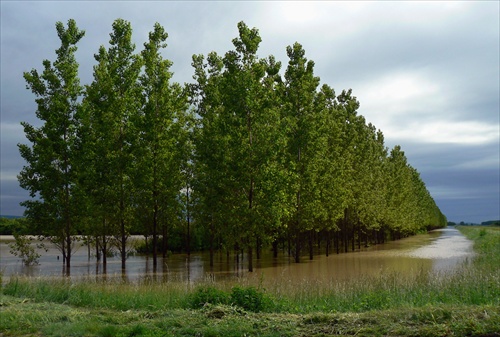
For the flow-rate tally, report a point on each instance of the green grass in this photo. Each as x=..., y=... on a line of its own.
x=24, y=317
x=463, y=303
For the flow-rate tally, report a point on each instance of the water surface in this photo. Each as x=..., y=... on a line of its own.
x=438, y=251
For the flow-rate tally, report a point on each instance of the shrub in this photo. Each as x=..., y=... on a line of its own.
x=250, y=299
x=210, y=295
x=23, y=248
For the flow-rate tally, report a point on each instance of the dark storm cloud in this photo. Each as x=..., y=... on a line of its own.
x=464, y=180
x=467, y=194
x=426, y=73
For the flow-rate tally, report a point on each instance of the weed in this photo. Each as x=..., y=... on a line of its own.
x=208, y=295
x=108, y=331
x=250, y=298
x=137, y=330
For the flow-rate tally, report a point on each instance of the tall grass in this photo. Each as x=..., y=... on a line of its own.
x=476, y=283
x=94, y=294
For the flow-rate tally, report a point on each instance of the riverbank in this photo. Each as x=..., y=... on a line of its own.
x=463, y=303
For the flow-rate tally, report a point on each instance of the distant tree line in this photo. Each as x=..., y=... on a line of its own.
x=244, y=157
x=11, y=226
x=484, y=223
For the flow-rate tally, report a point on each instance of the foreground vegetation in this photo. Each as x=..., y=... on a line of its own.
x=464, y=303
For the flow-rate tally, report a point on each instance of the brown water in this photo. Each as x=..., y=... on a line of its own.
x=438, y=251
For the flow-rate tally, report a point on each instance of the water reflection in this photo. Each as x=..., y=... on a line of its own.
x=437, y=251
x=447, y=251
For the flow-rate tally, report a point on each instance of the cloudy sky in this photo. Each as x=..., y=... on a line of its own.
x=426, y=73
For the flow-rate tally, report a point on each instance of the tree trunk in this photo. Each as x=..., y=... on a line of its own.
x=327, y=244
x=123, y=245
x=97, y=248
x=104, y=251
x=353, y=238
x=155, y=236
x=297, y=248
x=68, y=254
x=275, y=248
x=211, y=244
x=311, y=245
x=258, y=249
x=188, y=243
x=250, y=258
x=344, y=231
x=164, y=240
x=337, y=243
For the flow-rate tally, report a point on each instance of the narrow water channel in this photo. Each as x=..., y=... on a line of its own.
x=438, y=251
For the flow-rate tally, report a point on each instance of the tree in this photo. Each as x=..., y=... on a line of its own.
x=330, y=179
x=162, y=136
x=51, y=175
x=113, y=103
x=237, y=143
x=23, y=247
x=399, y=193
x=210, y=142
x=250, y=109
x=348, y=158
x=302, y=122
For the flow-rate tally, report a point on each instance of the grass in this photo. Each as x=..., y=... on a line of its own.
x=464, y=303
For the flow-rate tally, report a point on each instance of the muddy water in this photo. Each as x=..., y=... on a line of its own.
x=439, y=251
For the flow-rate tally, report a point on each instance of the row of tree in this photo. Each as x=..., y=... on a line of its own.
x=247, y=156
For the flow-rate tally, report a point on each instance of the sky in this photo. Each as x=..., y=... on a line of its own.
x=426, y=73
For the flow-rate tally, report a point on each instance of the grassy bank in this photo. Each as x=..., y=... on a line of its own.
x=465, y=303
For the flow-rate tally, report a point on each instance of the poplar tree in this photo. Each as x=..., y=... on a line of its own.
x=399, y=196
x=238, y=142
x=347, y=108
x=114, y=102
x=255, y=139
x=210, y=144
x=51, y=175
x=302, y=122
x=160, y=148
x=330, y=177
x=373, y=205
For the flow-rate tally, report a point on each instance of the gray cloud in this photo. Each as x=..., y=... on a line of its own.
x=426, y=73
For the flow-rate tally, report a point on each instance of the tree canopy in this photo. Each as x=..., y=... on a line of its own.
x=247, y=156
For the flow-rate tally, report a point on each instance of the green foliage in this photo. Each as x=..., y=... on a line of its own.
x=14, y=226
x=491, y=223
x=51, y=172
x=250, y=299
x=24, y=248
x=241, y=158
x=208, y=295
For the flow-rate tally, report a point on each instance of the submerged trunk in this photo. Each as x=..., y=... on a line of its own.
x=250, y=259
x=275, y=248
x=211, y=244
x=311, y=245
x=297, y=248
x=327, y=244
x=123, y=241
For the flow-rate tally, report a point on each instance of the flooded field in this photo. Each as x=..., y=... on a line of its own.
x=438, y=251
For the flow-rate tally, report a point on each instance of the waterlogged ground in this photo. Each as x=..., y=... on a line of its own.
x=439, y=251
x=463, y=302
x=446, y=252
